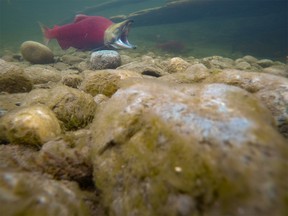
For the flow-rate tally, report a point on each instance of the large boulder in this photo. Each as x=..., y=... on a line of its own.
x=188, y=150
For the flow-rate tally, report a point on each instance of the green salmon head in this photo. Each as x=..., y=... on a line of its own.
x=116, y=35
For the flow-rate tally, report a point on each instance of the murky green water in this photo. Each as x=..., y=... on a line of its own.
x=230, y=28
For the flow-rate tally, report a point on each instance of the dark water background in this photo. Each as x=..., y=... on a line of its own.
x=230, y=28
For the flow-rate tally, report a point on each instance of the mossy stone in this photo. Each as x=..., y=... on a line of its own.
x=211, y=149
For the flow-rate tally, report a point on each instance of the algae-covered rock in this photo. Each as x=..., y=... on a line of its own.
x=275, y=99
x=280, y=70
x=71, y=59
x=18, y=157
x=177, y=65
x=100, y=98
x=105, y=81
x=13, y=79
x=72, y=80
x=188, y=150
x=270, y=89
x=42, y=74
x=33, y=125
x=242, y=65
x=11, y=101
x=68, y=157
x=265, y=63
x=218, y=62
x=146, y=67
x=72, y=107
x=194, y=73
x=36, y=53
x=30, y=194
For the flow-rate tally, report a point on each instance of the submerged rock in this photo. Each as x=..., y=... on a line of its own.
x=265, y=63
x=74, y=108
x=11, y=101
x=36, y=53
x=13, y=79
x=177, y=65
x=270, y=89
x=194, y=73
x=71, y=59
x=146, y=67
x=72, y=80
x=33, y=125
x=105, y=82
x=218, y=62
x=250, y=59
x=24, y=193
x=242, y=65
x=280, y=70
x=105, y=59
x=188, y=150
x=18, y=157
x=39, y=74
x=68, y=158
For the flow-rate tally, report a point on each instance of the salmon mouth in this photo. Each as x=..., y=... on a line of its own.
x=116, y=35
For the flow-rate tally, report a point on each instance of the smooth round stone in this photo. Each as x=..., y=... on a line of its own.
x=36, y=53
x=243, y=65
x=265, y=63
x=33, y=125
x=105, y=59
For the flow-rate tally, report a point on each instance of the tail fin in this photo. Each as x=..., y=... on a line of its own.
x=45, y=30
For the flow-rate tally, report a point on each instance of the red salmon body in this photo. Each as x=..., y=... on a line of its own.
x=86, y=33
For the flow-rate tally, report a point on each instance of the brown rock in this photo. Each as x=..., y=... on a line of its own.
x=39, y=74
x=11, y=101
x=71, y=59
x=105, y=81
x=144, y=68
x=280, y=70
x=36, y=53
x=68, y=158
x=72, y=80
x=265, y=63
x=13, y=79
x=177, y=65
x=33, y=194
x=18, y=157
x=74, y=108
x=194, y=73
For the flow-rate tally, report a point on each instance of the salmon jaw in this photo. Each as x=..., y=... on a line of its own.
x=116, y=35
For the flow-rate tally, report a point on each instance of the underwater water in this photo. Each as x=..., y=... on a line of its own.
x=230, y=28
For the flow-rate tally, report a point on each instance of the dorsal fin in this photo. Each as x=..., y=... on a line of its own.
x=79, y=17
